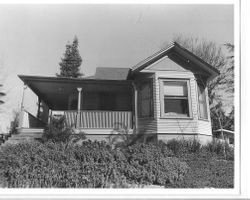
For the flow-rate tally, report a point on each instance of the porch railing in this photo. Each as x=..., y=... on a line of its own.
x=99, y=119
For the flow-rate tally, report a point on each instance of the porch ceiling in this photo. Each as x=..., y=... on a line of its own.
x=55, y=91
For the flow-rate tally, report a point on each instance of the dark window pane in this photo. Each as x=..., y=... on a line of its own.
x=145, y=107
x=176, y=106
x=145, y=99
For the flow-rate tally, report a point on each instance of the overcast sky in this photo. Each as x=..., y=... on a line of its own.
x=33, y=37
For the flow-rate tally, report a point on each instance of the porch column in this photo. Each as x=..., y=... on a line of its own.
x=78, y=108
x=21, y=119
x=39, y=107
x=135, y=107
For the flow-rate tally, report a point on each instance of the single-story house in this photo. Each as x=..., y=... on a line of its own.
x=164, y=95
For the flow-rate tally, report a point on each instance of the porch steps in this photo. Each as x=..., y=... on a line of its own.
x=24, y=135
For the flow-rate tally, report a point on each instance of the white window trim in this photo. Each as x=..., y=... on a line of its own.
x=163, y=115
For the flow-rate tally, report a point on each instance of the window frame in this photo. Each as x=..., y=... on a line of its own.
x=198, y=102
x=162, y=103
x=151, y=98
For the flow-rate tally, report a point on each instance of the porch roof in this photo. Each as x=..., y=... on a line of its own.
x=54, y=91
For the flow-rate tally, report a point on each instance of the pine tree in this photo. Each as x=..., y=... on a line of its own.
x=1, y=94
x=70, y=64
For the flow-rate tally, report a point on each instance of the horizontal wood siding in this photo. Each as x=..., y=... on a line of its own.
x=100, y=119
x=204, y=127
x=147, y=126
x=178, y=125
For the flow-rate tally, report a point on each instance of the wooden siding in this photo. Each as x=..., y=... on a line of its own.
x=165, y=64
x=100, y=119
x=177, y=125
x=147, y=126
x=170, y=125
x=204, y=127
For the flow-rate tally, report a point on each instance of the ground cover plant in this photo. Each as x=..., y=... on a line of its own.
x=91, y=165
x=210, y=166
x=58, y=162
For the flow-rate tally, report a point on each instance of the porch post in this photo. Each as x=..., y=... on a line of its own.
x=135, y=107
x=22, y=107
x=39, y=107
x=78, y=108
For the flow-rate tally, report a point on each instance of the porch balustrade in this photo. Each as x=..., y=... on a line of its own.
x=98, y=119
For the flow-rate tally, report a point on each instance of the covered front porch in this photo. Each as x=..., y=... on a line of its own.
x=95, y=106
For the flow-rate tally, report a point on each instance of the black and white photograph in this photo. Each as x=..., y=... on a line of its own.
x=120, y=97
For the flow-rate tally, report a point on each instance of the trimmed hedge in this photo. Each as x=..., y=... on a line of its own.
x=92, y=165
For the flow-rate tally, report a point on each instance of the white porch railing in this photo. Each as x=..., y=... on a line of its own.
x=99, y=119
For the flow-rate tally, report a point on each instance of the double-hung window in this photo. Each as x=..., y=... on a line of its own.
x=175, y=98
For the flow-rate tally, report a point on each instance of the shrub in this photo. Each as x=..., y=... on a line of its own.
x=93, y=164
x=207, y=171
x=151, y=164
x=38, y=165
x=15, y=123
x=221, y=149
x=181, y=146
x=122, y=136
x=56, y=130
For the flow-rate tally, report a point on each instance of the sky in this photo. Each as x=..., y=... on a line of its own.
x=33, y=37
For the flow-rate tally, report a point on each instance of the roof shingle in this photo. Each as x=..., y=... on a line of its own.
x=108, y=73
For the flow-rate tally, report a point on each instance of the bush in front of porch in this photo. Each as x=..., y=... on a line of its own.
x=57, y=131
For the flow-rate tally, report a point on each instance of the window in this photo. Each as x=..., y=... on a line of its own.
x=202, y=102
x=145, y=104
x=175, y=99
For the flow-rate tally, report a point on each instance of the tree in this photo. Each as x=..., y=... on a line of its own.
x=2, y=93
x=230, y=68
x=71, y=62
x=3, y=109
x=220, y=120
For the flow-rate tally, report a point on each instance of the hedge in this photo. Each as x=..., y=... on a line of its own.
x=91, y=165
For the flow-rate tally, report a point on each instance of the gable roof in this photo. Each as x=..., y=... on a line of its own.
x=108, y=73
x=177, y=49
